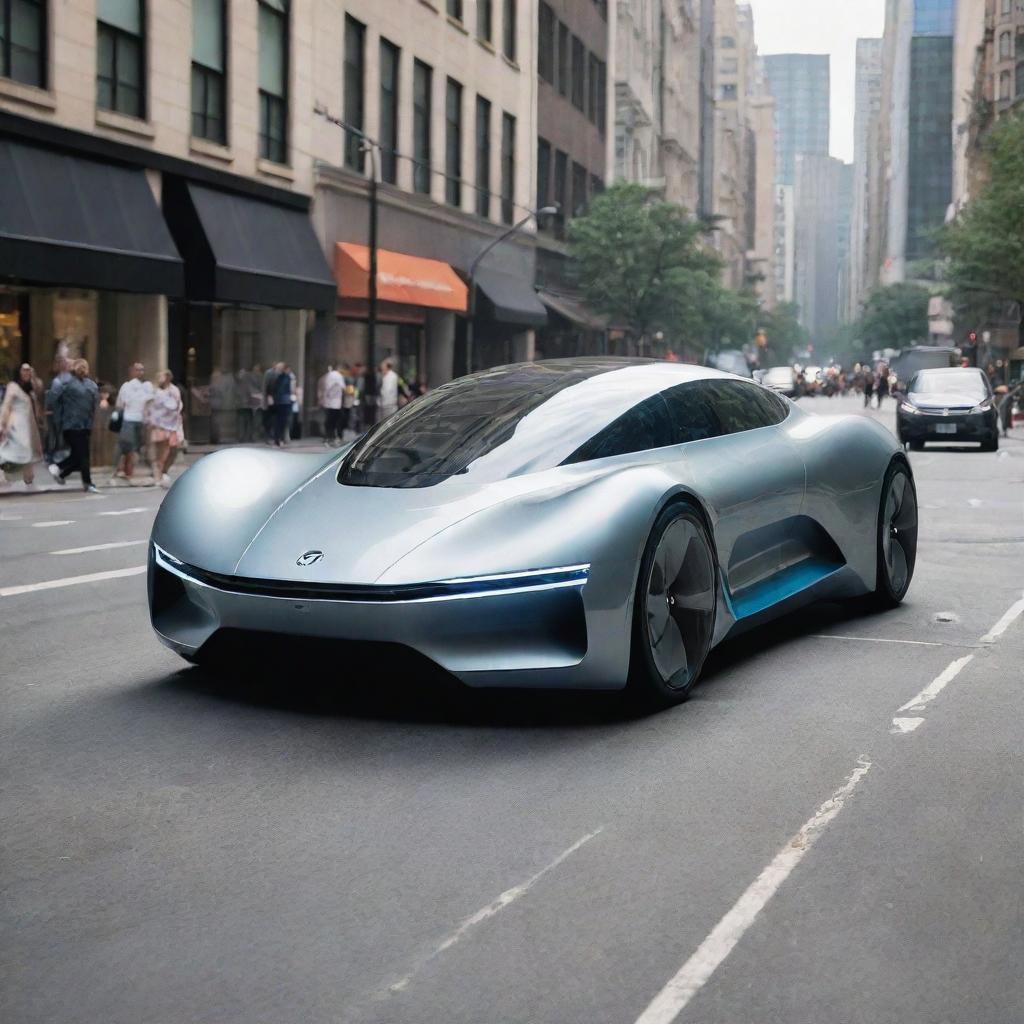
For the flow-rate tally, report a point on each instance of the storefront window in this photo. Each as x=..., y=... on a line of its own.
x=12, y=341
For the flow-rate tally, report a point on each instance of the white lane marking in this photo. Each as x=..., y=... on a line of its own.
x=492, y=908
x=122, y=511
x=974, y=502
x=53, y=522
x=1004, y=623
x=98, y=547
x=70, y=581
x=900, y=726
x=693, y=975
x=875, y=640
x=937, y=685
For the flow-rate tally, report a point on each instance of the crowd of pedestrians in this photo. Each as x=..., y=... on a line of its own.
x=54, y=423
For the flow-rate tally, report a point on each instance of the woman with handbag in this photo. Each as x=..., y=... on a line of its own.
x=163, y=413
x=20, y=444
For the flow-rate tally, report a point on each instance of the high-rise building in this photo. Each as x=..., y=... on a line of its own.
x=818, y=189
x=920, y=130
x=868, y=105
x=844, y=227
x=801, y=86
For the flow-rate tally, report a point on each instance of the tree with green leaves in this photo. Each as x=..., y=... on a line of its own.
x=985, y=244
x=784, y=332
x=644, y=263
x=895, y=316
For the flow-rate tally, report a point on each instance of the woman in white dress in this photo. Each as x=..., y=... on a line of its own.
x=163, y=412
x=20, y=445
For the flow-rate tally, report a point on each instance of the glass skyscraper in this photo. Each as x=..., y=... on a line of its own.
x=800, y=84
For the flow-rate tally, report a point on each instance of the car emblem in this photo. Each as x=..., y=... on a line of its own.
x=309, y=558
x=945, y=412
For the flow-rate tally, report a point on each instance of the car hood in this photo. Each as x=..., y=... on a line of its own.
x=956, y=400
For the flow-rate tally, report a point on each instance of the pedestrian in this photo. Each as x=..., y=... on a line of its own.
x=20, y=421
x=388, y=396
x=132, y=398
x=61, y=375
x=74, y=407
x=166, y=427
x=331, y=402
x=280, y=398
x=869, y=387
x=882, y=384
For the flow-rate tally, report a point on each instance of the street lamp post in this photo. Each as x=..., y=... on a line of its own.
x=543, y=212
x=371, y=146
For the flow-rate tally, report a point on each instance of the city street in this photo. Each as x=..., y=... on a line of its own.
x=829, y=831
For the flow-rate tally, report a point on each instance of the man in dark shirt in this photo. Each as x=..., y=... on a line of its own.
x=74, y=409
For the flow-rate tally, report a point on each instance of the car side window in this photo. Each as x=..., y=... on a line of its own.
x=743, y=407
x=676, y=416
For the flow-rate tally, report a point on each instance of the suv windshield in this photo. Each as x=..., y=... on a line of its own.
x=950, y=382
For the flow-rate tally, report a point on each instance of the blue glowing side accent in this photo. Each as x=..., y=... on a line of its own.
x=785, y=584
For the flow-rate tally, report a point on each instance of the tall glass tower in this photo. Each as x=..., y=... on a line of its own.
x=800, y=84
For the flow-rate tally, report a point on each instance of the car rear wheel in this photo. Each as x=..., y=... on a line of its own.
x=674, y=610
x=897, y=536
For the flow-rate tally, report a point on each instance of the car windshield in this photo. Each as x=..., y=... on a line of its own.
x=950, y=382
x=501, y=423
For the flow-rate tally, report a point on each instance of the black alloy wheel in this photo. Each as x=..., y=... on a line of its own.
x=897, y=535
x=674, y=610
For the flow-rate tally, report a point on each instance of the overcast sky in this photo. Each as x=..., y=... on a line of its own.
x=822, y=26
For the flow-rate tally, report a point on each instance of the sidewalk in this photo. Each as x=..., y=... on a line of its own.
x=103, y=477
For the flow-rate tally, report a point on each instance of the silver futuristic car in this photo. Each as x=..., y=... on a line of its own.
x=582, y=523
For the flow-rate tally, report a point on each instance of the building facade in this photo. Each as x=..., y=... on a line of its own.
x=575, y=104
x=817, y=198
x=868, y=104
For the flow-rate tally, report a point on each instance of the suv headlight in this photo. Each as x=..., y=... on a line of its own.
x=983, y=406
x=907, y=407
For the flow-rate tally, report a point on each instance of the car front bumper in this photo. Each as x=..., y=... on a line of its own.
x=535, y=635
x=923, y=426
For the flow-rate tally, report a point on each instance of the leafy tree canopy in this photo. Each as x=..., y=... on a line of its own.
x=643, y=263
x=895, y=316
x=985, y=244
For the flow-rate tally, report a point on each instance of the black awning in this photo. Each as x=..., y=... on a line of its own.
x=81, y=223
x=240, y=249
x=507, y=299
x=575, y=311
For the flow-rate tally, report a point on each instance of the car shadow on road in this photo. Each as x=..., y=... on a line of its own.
x=402, y=687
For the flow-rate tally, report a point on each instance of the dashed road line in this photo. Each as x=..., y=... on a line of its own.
x=900, y=726
x=507, y=897
x=123, y=511
x=695, y=973
x=98, y=547
x=53, y=522
x=71, y=581
x=937, y=685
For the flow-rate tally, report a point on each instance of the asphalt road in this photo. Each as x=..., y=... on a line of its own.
x=789, y=846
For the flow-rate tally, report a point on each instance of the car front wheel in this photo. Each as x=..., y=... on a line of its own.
x=897, y=536
x=674, y=609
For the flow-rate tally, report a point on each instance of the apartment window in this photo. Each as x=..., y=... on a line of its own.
x=727, y=43
x=485, y=20
x=1006, y=6
x=509, y=28
x=592, y=87
x=579, y=190
x=543, y=173
x=453, y=143
x=387, y=134
x=546, y=43
x=563, y=59
x=579, y=69
x=455, y=9
x=602, y=97
x=561, y=183
x=422, y=82
x=23, y=41
x=355, y=96
x=1004, y=85
x=208, y=62
x=727, y=92
x=508, y=167
x=273, y=79
x=483, y=157
x=120, y=63
x=1005, y=46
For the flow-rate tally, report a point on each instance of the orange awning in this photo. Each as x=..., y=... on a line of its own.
x=407, y=280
